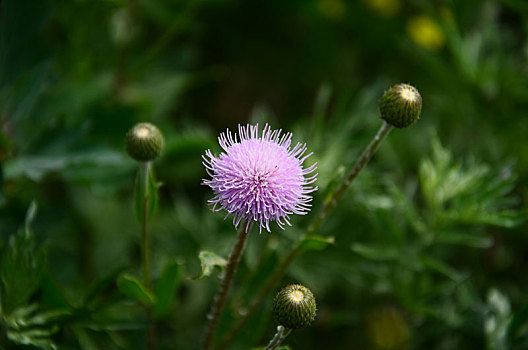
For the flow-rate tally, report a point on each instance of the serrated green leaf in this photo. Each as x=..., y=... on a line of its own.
x=315, y=243
x=133, y=288
x=146, y=196
x=22, y=266
x=29, y=316
x=379, y=253
x=39, y=338
x=209, y=261
x=165, y=288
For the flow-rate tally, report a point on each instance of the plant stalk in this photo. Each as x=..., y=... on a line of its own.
x=227, y=281
x=279, y=337
x=144, y=169
x=328, y=206
x=336, y=196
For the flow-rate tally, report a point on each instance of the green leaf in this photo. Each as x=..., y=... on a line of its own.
x=465, y=239
x=146, y=196
x=315, y=243
x=133, y=288
x=379, y=253
x=39, y=338
x=22, y=266
x=28, y=325
x=165, y=288
x=101, y=286
x=497, y=321
x=441, y=267
x=209, y=261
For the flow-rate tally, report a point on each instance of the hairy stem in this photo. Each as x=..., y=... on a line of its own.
x=327, y=208
x=279, y=337
x=336, y=196
x=143, y=179
x=227, y=281
x=144, y=168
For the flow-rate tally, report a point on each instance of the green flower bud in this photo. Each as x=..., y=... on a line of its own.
x=400, y=106
x=144, y=142
x=294, y=307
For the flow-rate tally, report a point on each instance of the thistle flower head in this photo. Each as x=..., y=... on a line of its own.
x=400, y=106
x=294, y=307
x=144, y=142
x=260, y=177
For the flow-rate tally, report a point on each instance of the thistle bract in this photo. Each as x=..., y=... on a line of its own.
x=144, y=142
x=294, y=307
x=260, y=177
x=400, y=106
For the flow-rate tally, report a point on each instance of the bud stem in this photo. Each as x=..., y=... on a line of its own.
x=227, y=281
x=331, y=202
x=278, y=338
x=327, y=208
x=143, y=178
x=144, y=168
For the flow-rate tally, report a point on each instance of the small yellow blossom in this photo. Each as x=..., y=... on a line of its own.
x=426, y=32
x=384, y=8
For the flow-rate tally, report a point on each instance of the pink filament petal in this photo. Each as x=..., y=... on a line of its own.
x=259, y=178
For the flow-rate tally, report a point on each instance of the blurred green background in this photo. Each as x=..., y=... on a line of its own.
x=430, y=241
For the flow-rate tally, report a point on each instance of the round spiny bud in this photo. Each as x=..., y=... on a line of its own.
x=294, y=307
x=144, y=142
x=400, y=106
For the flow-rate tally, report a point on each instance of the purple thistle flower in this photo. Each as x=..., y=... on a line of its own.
x=260, y=178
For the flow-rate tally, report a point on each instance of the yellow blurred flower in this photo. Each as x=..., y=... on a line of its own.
x=332, y=9
x=425, y=32
x=387, y=329
x=384, y=8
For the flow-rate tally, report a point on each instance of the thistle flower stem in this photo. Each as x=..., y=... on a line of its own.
x=144, y=168
x=278, y=338
x=327, y=208
x=227, y=281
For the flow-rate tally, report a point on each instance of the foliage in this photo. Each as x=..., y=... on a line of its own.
x=426, y=250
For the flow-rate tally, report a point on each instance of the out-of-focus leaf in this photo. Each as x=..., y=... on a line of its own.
x=39, y=338
x=518, y=326
x=379, y=253
x=465, y=239
x=315, y=243
x=265, y=268
x=52, y=295
x=440, y=267
x=31, y=316
x=165, y=288
x=101, y=286
x=470, y=194
x=475, y=215
x=28, y=325
x=278, y=348
x=209, y=261
x=497, y=321
x=146, y=197
x=36, y=167
x=22, y=266
x=133, y=288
